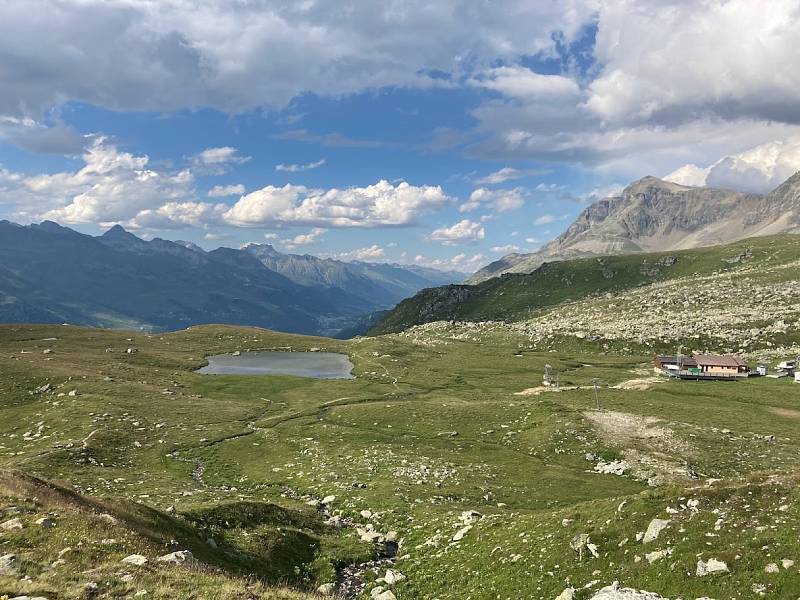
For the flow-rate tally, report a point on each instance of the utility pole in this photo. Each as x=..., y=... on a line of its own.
x=595, y=383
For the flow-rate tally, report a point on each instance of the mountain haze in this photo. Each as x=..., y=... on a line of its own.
x=53, y=274
x=652, y=215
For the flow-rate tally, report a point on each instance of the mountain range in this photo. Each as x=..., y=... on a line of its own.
x=53, y=274
x=652, y=215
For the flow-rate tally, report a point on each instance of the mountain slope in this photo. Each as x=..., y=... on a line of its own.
x=652, y=215
x=519, y=296
x=53, y=274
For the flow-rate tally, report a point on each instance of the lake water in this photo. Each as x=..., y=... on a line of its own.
x=320, y=365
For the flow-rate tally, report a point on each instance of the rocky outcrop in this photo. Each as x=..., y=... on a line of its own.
x=653, y=215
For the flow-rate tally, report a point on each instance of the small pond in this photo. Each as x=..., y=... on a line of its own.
x=320, y=365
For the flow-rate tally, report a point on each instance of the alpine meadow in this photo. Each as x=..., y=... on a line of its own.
x=399, y=300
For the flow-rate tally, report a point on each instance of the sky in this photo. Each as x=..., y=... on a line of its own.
x=442, y=133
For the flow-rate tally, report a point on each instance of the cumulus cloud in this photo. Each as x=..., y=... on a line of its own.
x=463, y=232
x=463, y=263
x=235, y=56
x=216, y=161
x=111, y=186
x=296, y=168
x=305, y=239
x=759, y=169
x=42, y=138
x=221, y=191
x=114, y=186
x=373, y=253
x=497, y=200
x=379, y=205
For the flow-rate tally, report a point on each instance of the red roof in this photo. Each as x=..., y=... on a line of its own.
x=715, y=360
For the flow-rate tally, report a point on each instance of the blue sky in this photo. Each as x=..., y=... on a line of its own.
x=447, y=133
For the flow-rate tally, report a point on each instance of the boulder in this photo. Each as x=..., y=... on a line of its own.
x=12, y=524
x=392, y=576
x=135, y=559
x=46, y=522
x=177, y=558
x=459, y=535
x=711, y=567
x=614, y=592
x=567, y=594
x=654, y=530
x=326, y=589
x=8, y=564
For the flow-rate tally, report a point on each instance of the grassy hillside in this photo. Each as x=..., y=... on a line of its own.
x=519, y=297
x=431, y=426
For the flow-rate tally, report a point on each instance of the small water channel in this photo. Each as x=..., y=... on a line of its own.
x=319, y=365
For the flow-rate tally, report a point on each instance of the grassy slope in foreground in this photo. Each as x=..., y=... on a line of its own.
x=426, y=431
x=516, y=297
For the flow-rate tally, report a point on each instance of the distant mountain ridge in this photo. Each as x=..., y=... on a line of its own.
x=53, y=274
x=652, y=215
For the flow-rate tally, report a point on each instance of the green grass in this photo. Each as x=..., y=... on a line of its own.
x=422, y=433
x=515, y=297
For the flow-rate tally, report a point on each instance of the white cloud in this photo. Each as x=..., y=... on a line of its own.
x=548, y=218
x=381, y=204
x=295, y=168
x=234, y=56
x=464, y=263
x=525, y=84
x=691, y=175
x=216, y=161
x=221, y=191
x=498, y=200
x=463, y=232
x=506, y=174
x=507, y=249
x=532, y=240
x=373, y=253
x=675, y=60
x=759, y=169
x=111, y=186
x=305, y=239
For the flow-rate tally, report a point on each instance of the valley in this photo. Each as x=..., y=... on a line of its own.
x=444, y=441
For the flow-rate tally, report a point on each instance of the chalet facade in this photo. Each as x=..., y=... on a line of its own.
x=702, y=366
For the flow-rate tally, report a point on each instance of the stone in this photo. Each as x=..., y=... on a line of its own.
x=326, y=589
x=614, y=592
x=386, y=595
x=177, y=558
x=328, y=500
x=8, y=564
x=393, y=576
x=459, y=535
x=614, y=467
x=772, y=568
x=12, y=524
x=46, y=522
x=711, y=567
x=470, y=516
x=135, y=559
x=654, y=530
x=391, y=536
x=787, y=563
x=652, y=557
x=567, y=594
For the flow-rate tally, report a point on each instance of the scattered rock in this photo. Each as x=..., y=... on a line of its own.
x=8, y=564
x=392, y=576
x=772, y=568
x=46, y=522
x=136, y=559
x=328, y=500
x=459, y=535
x=614, y=467
x=614, y=592
x=177, y=558
x=12, y=524
x=654, y=530
x=710, y=567
x=567, y=594
x=326, y=589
